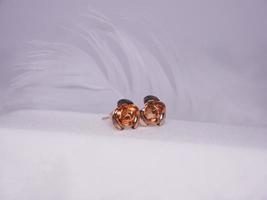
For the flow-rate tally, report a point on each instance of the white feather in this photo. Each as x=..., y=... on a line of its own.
x=97, y=61
x=109, y=64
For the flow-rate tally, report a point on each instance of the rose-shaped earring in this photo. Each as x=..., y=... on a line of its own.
x=154, y=111
x=126, y=115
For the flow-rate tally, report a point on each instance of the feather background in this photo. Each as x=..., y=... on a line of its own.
x=89, y=60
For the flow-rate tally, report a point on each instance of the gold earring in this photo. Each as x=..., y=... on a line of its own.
x=154, y=111
x=126, y=115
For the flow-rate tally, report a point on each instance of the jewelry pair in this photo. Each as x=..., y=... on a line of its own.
x=128, y=115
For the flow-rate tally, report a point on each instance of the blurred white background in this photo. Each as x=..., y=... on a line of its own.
x=206, y=59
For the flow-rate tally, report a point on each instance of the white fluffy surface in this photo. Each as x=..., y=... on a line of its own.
x=63, y=155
